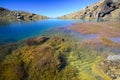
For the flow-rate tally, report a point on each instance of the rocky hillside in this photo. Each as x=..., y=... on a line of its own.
x=9, y=16
x=102, y=10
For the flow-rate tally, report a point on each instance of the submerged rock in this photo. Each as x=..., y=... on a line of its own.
x=36, y=41
x=113, y=57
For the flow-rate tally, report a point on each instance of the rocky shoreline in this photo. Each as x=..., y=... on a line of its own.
x=8, y=16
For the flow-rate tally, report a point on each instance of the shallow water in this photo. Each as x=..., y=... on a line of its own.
x=74, y=34
x=115, y=39
x=20, y=31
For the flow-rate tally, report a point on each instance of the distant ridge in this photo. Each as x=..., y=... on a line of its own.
x=9, y=16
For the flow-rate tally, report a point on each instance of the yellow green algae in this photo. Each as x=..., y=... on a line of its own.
x=52, y=58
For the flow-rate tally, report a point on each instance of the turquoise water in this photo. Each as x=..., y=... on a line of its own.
x=20, y=31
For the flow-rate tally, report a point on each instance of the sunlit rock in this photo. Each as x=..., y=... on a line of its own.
x=113, y=57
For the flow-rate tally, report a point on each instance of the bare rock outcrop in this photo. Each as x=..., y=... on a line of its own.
x=103, y=10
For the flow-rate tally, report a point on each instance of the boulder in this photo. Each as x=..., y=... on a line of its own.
x=90, y=14
x=31, y=16
x=17, y=14
x=82, y=17
x=107, y=6
x=113, y=57
x=87, y=10
x=20, y=17
x=95, y=7
x=101, y=14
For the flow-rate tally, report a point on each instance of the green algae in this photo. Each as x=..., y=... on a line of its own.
x=51, y=58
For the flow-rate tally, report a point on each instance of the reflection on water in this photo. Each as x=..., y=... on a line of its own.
x=3, y=23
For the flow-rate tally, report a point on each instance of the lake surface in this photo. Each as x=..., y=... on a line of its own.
x=20, y=31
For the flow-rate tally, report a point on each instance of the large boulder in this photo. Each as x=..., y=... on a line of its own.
x=107, y=7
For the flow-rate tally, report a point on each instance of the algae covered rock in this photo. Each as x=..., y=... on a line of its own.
x=36, y=41
x=36, y=59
